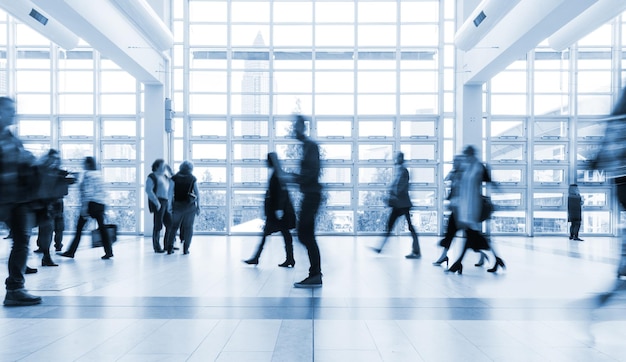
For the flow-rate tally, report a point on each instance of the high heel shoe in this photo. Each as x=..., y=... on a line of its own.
x=456, y=267
x=441, y=261
x=499, y=262
x=481, y=262
x=287, y=264
x=252, y=261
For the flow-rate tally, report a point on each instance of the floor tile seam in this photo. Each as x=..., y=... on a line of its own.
x=560, y=252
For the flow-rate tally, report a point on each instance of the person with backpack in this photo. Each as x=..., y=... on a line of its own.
x=157, y=189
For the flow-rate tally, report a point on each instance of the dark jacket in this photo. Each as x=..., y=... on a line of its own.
x=574, y=210
x=183, y=187
x=308, y=179
x=399, y=190
x=277, y=198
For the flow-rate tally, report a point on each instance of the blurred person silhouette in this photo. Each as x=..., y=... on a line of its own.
x=612, y=159
x=93, y=203
x=574, y=211
x=279, y=213
x=469, y=209
x=49, y=215
x=311, y=189
x=15, y=206
x=185, y=206
x=400, y=203
x=158, y=189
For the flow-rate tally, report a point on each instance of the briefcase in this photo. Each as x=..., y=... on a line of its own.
x=96, y=238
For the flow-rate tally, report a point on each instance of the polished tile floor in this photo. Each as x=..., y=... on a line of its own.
x=209, y=306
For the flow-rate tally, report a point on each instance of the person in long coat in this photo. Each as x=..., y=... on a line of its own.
x=401, y=205
x=279, y=214
x=469, y=208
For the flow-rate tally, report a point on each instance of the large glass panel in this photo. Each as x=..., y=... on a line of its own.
x=336, y=175
x=369, y=220
x=508, y=104
x=289, y=12
x=417, y=129
x=335, y=152
x=250, y=175
x=422, y=175
x=334, y=128
x=76, y=151
x=338, y=198
x=508, y=222
x=32, y=80
x=590, y=130
x=210, y=174
x=208, y=128
x=124, y=217
x=596, y=222
x=117, y=81
x=250, y=152
x=208, y=152
x=506, y=175
x=119, y=152
x=376, y=152
x=118, y=103
x=76, y=103
x=34, y=128
x=119, y=174
x=550, y=129
x=211, y=219
x=549, y=153
x=423, y=198
x=594, y=199
x=549, y=176
x=33, y=103
x=375, y=175
x=425, y=221
x=76, y=128
x=586, y=152
x=590, y=176
x=122, y=198
x=507, y=199
x=548, y=199
x=373, y=198
x=376, y=129
x=250, y=128
x=507, y=129
x=507, y=152
x=419, y=152
x=37, y=148
x=336, y=221
x=207, y=81
x=119, y=128
x=550, y=222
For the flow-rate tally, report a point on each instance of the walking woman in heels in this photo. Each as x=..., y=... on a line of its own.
x=469, y=208
x=279, y=214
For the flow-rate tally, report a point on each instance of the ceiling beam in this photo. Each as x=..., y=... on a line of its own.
x=521, y=30
x=106, y=29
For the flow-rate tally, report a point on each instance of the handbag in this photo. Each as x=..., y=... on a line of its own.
x=96, y=237
x=486, y=208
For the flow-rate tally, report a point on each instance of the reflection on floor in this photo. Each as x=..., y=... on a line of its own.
x=208, y=305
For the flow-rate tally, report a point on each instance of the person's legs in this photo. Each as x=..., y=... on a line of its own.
x=391, y=221
x=575, y=228
x=306, y=233
x=621, y=196
x=289, y=260
x=257, y=254
x=46, y=225
x=187, y=227
x=22, y=222
x=80, y=225
x=157, y=226
x=96, y=211
x=415, y=247
x=177, y=219
x=59, y=228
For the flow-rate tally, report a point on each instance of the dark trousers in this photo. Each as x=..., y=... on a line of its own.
x=474, y=240
x=574, y=229
x=183, y=217
x=45, y=220
x=59, y=228
x=22, y=223
x=621, y=196
x=96, y=211
x=450, y=232
x=393, y=217
x=288, y=243
x=160, y=218
x=306, y=230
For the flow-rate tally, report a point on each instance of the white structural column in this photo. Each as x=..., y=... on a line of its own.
x=468, y=96
x=155, y=138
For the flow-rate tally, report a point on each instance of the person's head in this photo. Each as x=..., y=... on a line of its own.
x=54, y=158
x=7, y=112
x=186, y=167
x=573, y=189
x=299, y=127
x=469, y=151
x=270, y=163
x=90, y=163
x=457, y=161
x=158, y=165
x=399, y=160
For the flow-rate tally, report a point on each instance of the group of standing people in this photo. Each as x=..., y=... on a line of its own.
x=173, y=200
